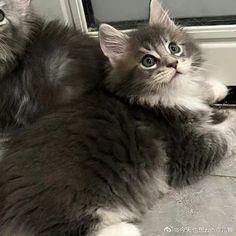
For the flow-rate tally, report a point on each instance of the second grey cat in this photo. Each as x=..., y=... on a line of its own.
x=42, y=65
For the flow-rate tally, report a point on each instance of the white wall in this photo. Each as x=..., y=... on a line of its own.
x=50, y=9
x=120, y=10
x=221, y=60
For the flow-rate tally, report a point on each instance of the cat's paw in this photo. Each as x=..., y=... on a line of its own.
x=218, y=91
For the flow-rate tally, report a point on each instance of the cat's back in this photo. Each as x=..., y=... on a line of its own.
x=92, y=125
x=59, y=65
x=68, y=164
x=55, y=36
x=62, y=50
x=98, y=136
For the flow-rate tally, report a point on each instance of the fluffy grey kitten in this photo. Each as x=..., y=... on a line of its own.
x=159, y=65
x=42, y=65
x=94, y=168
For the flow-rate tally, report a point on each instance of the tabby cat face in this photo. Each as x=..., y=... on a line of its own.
x=148, y=61
x=13, y=28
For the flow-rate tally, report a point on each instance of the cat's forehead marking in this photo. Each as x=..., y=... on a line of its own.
x=164, y=45
x=163, y=40
x=150, y=51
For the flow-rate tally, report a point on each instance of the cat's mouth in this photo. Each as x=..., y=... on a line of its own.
x=177, y=73
x=167, y=76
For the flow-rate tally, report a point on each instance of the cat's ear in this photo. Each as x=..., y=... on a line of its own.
x=113, y=43
x=159, y=16
x=24, y=4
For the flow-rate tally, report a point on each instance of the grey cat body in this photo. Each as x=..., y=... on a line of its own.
x=47, y=65
x=93, y=168
x=100, y=163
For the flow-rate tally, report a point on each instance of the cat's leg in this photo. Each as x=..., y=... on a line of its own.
x=215, y=91
x=120, y=229
x=200, y=149
x=227, y=130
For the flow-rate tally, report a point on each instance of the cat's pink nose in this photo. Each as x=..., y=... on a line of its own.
x=173, y=64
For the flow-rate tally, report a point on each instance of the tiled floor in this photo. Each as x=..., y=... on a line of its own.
x=207, y=208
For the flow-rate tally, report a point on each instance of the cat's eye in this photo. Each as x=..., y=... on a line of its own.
x=2, y=16
x=3, y=19
x=149, y=61
x=174, y=49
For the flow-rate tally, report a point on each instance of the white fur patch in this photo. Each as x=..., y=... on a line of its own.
x=183, y=92
x=114, y=216
x=218, y=91
x=121, y=229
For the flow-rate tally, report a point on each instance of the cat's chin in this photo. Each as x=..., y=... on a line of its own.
x=180, y=92
x=176, y=76
x=171, y=76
